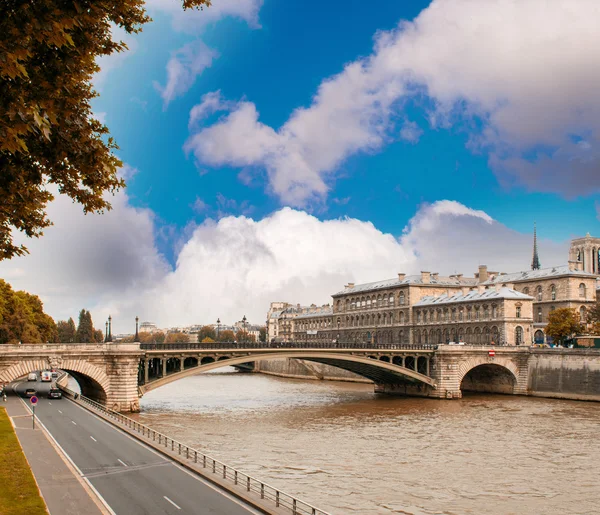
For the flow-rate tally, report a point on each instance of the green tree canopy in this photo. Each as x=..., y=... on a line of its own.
x=48, y=55
x=85, y=329
x=263, y=334
x=207, y=332
x=66, y=331
x=563, y=323
x=22, y=318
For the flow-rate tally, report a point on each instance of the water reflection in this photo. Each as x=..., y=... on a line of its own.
x=349, y=451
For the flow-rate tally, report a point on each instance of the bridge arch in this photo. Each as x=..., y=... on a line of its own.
x=486, y=375
x=367, y=366
x=93, y=381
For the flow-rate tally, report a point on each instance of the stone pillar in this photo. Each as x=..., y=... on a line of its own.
x=123, y=392
x=146, y=371
x=181, y=361
x=164, y=363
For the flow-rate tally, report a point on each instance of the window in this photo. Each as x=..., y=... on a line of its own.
x=453, y=314
x=401, y=317
x=460, y=315
x=518, y=311
x=353, y=304
x=368, y=302
x=401, y=298
x=468, y=313
x=526, y=291
x=539, y=315
x=486, y=313
x=418, y=317
x=553, y=292
x=391, y=299
x=582, y=290
x=519, y=335
x=425, y=317
x=476, y=313
x=494, y=312
x=539, y=293
x=552, y=308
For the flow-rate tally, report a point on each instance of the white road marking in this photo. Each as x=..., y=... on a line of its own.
x=122, y=462
x=60, y=412
x=171, y=502
x=93, y=438
x=73, y=422
x=50, y=403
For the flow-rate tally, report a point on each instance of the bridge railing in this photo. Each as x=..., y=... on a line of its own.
x=210, y=465
x=286, y=345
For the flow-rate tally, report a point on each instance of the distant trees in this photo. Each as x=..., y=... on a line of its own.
x=226, y=336
x=176, y=338
x=207, y=332
x=85, y=329
x=66, y=331
x=262, y=336
x=244, y=336
x=22, y=318
x=563, y=323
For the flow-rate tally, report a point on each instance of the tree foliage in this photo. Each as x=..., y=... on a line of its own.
x=207, y=332
x=22, y=318
x=48, y=55
x=244, y=336
x=177, y=338
x=563, y=323
x=262, y=334
x=66, y=331
x=85, y=329
x=226, y=336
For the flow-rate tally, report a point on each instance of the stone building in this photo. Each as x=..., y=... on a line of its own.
x=586, y=251
x=282, y=316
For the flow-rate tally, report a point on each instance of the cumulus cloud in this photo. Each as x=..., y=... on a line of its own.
x=524, y=71
x=183, y=67
x=188, y=62
x=236, y=266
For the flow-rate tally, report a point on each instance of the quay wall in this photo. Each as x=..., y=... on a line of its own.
x=303, y=369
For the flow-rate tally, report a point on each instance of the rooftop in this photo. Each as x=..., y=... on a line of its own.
x=542, y=273
x=474, y=295
x=408, y=280
x=319, y=312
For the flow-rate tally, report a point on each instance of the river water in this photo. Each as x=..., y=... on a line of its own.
x=346, y=450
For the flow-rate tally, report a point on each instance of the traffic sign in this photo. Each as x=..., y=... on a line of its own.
x=33, y=399
x=491, y=353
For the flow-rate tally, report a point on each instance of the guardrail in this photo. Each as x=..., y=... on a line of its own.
x=284, y=345
x=250, y=484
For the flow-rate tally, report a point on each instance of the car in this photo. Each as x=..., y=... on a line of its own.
x=32, y=377
x=30, y=392
x=54, y=393
x=54, y=374
x=46, y=376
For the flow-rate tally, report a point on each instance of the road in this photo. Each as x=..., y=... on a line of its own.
x=131, y=478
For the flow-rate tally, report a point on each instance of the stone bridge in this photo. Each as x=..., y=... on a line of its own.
x=119, y=374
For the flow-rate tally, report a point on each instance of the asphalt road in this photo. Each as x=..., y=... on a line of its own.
x=132, y=478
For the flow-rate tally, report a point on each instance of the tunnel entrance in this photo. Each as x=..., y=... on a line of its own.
x=489, y=378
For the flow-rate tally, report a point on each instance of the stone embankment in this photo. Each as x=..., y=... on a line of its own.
x=302, y=369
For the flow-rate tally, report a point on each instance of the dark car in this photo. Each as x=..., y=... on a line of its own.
x=54, y=393
x=30, y=392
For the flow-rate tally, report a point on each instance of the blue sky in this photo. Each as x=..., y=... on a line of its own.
x=276, y=150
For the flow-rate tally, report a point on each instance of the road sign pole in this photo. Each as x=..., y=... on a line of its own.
x=33, y=401
x=33, y=416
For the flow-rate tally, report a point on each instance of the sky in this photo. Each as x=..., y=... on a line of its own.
x=275, y=151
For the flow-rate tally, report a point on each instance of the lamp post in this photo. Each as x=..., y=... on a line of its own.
x=244, y=322
x=109, y=338
x=137, y=335
x=218, y=326
x=338, y=334
x=105, y=332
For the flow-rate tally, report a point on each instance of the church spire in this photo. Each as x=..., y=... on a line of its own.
x=535, y=263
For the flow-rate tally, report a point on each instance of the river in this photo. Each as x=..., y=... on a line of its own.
x=346, y=450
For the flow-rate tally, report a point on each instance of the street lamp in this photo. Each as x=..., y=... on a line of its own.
x=105, y=332
x=338, y=336
x=218, y=325
x=137, y=336
x=109, y=339
x=244, y=322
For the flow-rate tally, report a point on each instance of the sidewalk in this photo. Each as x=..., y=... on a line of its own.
x=61, y=486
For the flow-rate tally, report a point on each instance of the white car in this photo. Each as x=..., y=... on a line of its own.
x=456, y=343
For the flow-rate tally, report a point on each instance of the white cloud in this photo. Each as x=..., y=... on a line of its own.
x=183, y=67
x=115, y=60
x=525, y=70
x=235, y=266
x=188, y=62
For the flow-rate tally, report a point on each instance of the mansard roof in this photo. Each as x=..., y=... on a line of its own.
x=408, y=280
x=474, y=295
x=542, y=273
x=320, y=312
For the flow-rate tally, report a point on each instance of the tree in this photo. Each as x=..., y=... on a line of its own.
x=22, y=318
x=207, y=340
x=49, y=52
x=244, y=336
x=85, y=329
x=206, y=332
x=66, y=331
x=98, y=336
x=177, y=338
x=262, y=334
x=563, y=323
x=226, y=336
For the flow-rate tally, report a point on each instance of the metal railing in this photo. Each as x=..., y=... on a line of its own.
x=218, y=346
x=210, y=465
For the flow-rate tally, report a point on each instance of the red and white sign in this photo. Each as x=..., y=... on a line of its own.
x=491, y=353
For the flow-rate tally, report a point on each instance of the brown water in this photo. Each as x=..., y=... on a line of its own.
x=346, y=450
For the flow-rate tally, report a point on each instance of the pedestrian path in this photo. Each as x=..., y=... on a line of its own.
x=62, y=488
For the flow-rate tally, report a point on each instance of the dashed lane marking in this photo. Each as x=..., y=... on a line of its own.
x=171, y=502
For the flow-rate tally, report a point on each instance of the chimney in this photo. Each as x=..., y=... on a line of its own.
x=426, y=277
x=435, y=275
x=350, y=285
x=483, y=275
x=480, y=288
x=401, y=276
x=465, y=290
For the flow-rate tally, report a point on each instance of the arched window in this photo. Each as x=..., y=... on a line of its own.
x=476, y=313
x=582, y=291
x=385, y=300
x=453, y=314
x=425, y=317
x=469, y=313
x=518, y=335
x=401, y=317
x=518, y=311
x=378, y=300
x=486, y=313
x=526, y=291
x=460, y=315
x=439, y=315
x=582, y=314
x=391, y=299
x=418, y=317
x=368, y=302
x=539, y=293
x=539, y=316
x=578, y=255
x=353, y=304
x=494, y=311
x=553, y=292
x=401, y=298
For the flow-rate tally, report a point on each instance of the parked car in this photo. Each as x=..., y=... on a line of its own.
x=30, y=392
x=32, y=377
x=54, y=393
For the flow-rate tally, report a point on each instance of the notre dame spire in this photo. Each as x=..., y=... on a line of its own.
x=535, y=263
